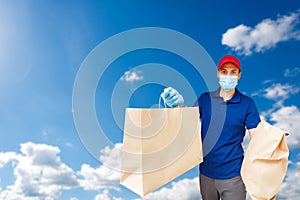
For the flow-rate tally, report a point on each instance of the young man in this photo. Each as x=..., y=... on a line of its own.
x=225, y=114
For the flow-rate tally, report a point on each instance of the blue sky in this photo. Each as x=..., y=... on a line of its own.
x=43, y=45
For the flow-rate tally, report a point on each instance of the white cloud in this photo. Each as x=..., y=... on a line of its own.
x=290, y=188
x=98, y=178
x=105, y=176
x=6, y=157
x=69, y=144
x=268, y=81
x=277, y=92
x=292, y=72
x=112, y=157
x=265, y=35
x=38, y=177
x=280, y=92
x=39, y=173
x=288, y=118
x=185, y=189
x=131, y=76
x=106, y=196
x=41, y=154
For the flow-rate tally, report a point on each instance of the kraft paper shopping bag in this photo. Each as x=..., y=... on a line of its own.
x=265, y=162
x=158, y=146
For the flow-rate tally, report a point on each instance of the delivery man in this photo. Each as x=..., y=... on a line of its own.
x=234, y=112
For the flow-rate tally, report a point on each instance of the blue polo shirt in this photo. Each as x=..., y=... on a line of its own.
x=223, y=125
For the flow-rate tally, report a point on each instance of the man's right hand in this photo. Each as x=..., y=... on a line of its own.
x=171, y=97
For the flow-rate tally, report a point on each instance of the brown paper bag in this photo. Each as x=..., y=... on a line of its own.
x=158, y=146
x=265, y=162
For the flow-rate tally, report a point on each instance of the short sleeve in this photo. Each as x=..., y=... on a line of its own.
x=252, y=116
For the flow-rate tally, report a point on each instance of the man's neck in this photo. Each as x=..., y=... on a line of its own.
x=227, y=94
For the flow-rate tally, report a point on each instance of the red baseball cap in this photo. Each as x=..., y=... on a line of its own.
x=229, y=59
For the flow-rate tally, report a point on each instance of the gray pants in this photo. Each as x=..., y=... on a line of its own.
x=228, y=189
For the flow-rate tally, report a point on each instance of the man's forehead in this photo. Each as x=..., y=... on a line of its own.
x=229, y=66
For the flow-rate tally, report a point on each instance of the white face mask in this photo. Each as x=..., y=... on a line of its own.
x=228, y=82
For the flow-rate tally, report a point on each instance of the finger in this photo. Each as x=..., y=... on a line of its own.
x=167, y=93
x=172, y=101
x=167, y=90
x=172, y=94
x=174, y=98
x=175, y=103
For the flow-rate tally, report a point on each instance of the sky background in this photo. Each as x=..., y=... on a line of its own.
x=44, y=43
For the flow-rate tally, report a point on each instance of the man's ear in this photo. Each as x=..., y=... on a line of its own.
x=239, y=75
x=218, y=74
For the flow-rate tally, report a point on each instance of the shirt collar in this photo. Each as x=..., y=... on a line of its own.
x=236, y=98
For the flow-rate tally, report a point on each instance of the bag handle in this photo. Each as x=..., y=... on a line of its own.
x=159, y=101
